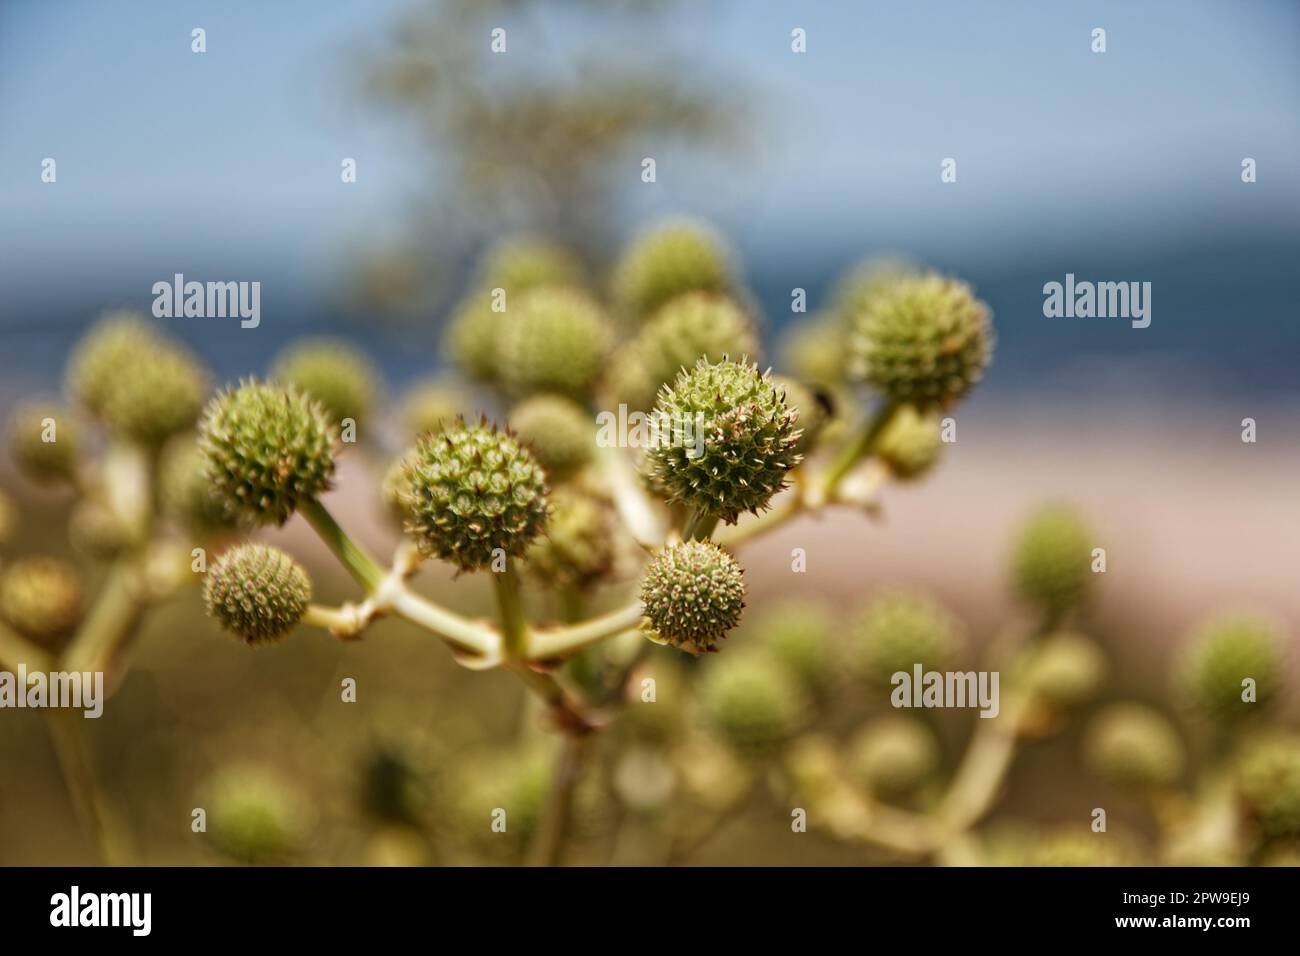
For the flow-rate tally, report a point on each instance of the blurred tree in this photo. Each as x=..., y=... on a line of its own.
x=540, y=137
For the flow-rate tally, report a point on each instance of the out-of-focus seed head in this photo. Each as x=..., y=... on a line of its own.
x=1051, y=559
x=552, y=340
x=666, y=261
x=910, y=443
x=753, y=702
x=1133, y=745
x=335, y=373
x=1232, y=668
x=559, y=432
x=43, y=442
x=892, y=756
x=896, y=631
x=41, y=598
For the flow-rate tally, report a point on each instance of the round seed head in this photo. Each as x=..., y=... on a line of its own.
x=910, y=443
x=577, y=549
x=1268, y=778
x=797, y=633
x=1051, y=559
x=336, y=374
x=43, y=442
x=431, y=406
x=1133, y=745
x=753, y=702
x=813, y=350
x=472, y=336
x=1065, y=670
x=693, y=594
x=812, y=410
x=470, y=491
x=666, y=261
x=924, y=340
x=894, y=755
x=142, y=385
x=257, y=592
x=727, y=439
x=690, y=327
x=525, y=262
x=267, y=448
x=186, y=493
x=558, y=431
x=552, y=340
x=1221, y=656
x=41, y=598
x=96, y=530
x=897, y=631
x=868, y=281
x=254, y=816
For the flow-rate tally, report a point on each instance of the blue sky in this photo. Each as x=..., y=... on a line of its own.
x=227, y=163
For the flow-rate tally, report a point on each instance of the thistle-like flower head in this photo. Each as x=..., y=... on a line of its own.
x=910, y=444
x=797, y=632
x=924, y=340
x=1133, y=745
x=552, y=339
x=41, y=598
x=520, y=263
x=690, y=327
x=898, y=630
x=1064, y=670
x=186, y=493
x=667, y=260
x=1221, y=657
x=1051, y=559
x=558, y=431
x=43, y=442
x=333, y=372
x=267, y=448
x=891, y=756
x=578, y=548
x=142, y=385
x=727, y=439
x=430, y=406
x=753, y=702
x=470, y=491
x=693, y=594
x=257, y=592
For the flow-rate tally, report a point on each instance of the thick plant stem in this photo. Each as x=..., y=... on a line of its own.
x=477, y=641
x=74, y=761
x=514, y=626
x=561, y=642
x=359, y=564
x=16, y=649
x=116, y=613
x=548, y=847
x=858, y=449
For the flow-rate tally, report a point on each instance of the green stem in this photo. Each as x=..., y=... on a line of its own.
x=16, y=649
x=87, y=798
x=699, y=526
x=514, y=625
x=548, y=848
x=112, y=620
x=358, y=562
x=858, y=449
x=464, y=635
x=560, y=642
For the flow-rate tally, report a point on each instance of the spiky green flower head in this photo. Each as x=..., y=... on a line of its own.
x=335, y=373
x=99, y=531
x=41, y=598
x=693, y=594
x=924, y=340
x=754, y=702
x=813, y=350
x=472, y=491
x=892, y=756
x=797, y=632
x=257, y=592
x=898, y=630
x=1051, y=559
x=187, y=496
x=43, y=442
x=142, y=385
x=1133, y=745
x=559, y=432
x=552, y=340
x=267, y=448
x=1065, y=670
x=667, y=260
x=430, y=406
x=727, y=439
x=1220, y=660
x=253, y=815
x=910, y=444
x=684, y=330
x=472, y=335
x=521, y=263
x=1268, y=778
x=867, y=281
x=577, y=549
x=812, y=410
